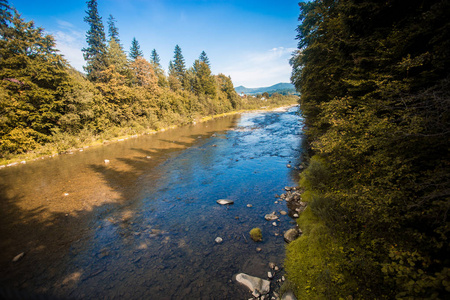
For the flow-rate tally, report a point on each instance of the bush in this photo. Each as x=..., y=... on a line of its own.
x=256, y=234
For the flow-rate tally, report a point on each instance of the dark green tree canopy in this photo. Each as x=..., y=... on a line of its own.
x=113, y=32
x=95, y=53
x=204, y=58
x=179, y=64
x=135, y=50
x=154, y=59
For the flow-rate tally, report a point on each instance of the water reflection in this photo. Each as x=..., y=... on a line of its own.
x=144, y=225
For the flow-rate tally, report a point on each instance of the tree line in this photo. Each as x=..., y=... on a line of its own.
x=47, y=106
x=374, y=81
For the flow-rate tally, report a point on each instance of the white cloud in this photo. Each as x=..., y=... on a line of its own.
x=262, y=68
x=70, y=41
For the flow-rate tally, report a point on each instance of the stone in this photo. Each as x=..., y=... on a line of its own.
x=269, y=275
x=295, y=215
x=282, y=212
x=274, y=223
x=218, y=240
x=288, y=166
x=289, y=295
x=256, y=285
x=271, y=217
x=258, y=249
x=287, y=188
x=18, y=257
x=291, y=234
x=249, y=205
x=271, y=265
x=225, y=201
x=106, y=161
x=276, y=268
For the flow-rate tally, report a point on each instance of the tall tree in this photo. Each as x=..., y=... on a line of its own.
x=135, y=49
x=154, y=59
x=179, y=66
x=95, y=53
x=204, y=58
x=113, y=32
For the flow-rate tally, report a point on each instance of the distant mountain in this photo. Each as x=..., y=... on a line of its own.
x=281, y=88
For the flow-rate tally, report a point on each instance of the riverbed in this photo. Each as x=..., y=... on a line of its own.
x=138, y=219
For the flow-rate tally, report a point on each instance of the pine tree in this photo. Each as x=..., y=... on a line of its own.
x=117, y=57
x=204, y=58
x=154, y=59
x=113, y=32
x=179, y=67
x=135, y=50
x=95, y=53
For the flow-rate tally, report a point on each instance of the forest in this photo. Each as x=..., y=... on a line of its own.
x=374, y=81
x=48, y=107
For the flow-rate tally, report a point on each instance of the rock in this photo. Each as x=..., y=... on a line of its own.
x=287, y=188
x=291, y=234
x=295, y=215
x=282, y=212
x=224, y=201
x=271, y=217
x=289, y=295
x=271, y=265
x=249, y=205
x=288, y=166
x=269, y=275
x=276, y=268
x=18, y=257
x=256, y=234
x=106, y=161
x=276, y=202
x=274, y=223
x=256, y=285
x=148, y=157
x=66, y=194
x=218, y=240
x=258, y=249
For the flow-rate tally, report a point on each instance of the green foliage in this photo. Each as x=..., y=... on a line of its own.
x=256, y=234
x=113, y=32
x=376, y=110
x=95, y=53
x=135, y=50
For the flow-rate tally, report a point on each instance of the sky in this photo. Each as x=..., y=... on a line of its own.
x=249, y=40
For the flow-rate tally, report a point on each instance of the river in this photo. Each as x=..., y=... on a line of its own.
x=144, y=224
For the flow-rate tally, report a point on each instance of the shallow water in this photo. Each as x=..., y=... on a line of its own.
x=143, y=226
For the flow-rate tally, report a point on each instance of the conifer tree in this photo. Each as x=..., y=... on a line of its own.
x=95, y=53
x=154, y=59
x=179, y=67
x=113, y=32
x=204, y=58
x=135, y=50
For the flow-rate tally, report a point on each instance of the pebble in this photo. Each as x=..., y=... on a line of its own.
x=282, y=212
x=106, y=161
x=218, y=240
x=249, y=205
x=18, y=257
x=269, y=275
x=295, y=215
x=258, y=249
x=274, y=223
x=288, y=166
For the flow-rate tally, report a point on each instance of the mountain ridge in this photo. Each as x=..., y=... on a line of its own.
x=281, y=88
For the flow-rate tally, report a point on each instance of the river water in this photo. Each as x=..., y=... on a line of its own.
x=143, y=226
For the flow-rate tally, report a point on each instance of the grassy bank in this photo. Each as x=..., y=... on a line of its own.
x=66, y=143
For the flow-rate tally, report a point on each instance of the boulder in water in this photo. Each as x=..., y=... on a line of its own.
x=256, y=285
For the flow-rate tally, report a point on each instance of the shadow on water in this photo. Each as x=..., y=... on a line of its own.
x=144, y=224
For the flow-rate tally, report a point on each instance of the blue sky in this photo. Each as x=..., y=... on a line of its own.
x=249, y=40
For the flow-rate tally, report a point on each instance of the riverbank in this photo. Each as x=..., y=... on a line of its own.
x=79, y=144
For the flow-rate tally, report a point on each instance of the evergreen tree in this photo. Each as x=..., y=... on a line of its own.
x=135, y=50
x=117, y=57
x=154, y=59
x=202, y=82
x=95, y=53
x=113, y=32
x=5, y=15
x=204, y=58
x=179, y=67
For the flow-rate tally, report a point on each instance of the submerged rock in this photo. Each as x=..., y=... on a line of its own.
x=218, y=240
x=256, y=285
x=224, y=201
x=18, y=257
x=271, y=217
